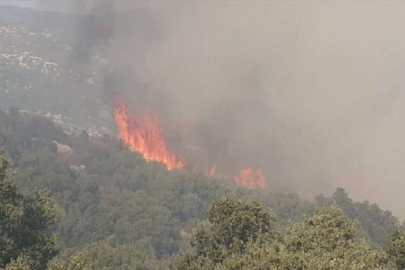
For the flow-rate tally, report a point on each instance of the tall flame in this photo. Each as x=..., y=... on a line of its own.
x=144, y=135
x=251, y=178
x=213, y=170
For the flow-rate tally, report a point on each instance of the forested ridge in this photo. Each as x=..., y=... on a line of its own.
x=106, y=208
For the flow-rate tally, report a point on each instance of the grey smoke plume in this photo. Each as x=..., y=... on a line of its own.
x=312, y=92
x=93, y=29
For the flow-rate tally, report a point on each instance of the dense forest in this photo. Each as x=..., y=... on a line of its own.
x=81, y=202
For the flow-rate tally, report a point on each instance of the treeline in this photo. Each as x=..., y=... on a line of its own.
x=244, y=236
x=113, y=210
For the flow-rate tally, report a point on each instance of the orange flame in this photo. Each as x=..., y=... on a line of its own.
x=144, y=135
x=213, y=170
x=250, y=178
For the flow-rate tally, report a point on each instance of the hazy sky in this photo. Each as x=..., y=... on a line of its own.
x=52, y=5
x=20, y=3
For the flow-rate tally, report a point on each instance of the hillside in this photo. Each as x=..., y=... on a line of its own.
x=36, y=73
x=105, y=193
x=220, y=157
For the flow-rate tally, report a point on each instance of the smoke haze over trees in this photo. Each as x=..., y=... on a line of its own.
x=115, y=210
x=308, y=95
x=312, y=92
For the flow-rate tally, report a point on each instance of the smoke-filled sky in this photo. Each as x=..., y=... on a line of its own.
x=313, y=92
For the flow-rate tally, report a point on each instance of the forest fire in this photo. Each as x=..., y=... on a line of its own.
x=144, y=136
x=213, y=170
x=250, y=178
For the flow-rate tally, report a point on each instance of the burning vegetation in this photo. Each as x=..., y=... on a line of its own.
x=144, y=135
x=251, y=178
x=213, y=170
x=210, y=145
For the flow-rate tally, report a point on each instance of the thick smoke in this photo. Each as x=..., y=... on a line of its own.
x=310, y=92
x=93, y=29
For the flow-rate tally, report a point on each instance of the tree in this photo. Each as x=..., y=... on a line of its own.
x=110, y=254
x=396, y=249
x=325, y=241
x=376, y=224
x=75, y=262
x=233, y=224
x=25, y=240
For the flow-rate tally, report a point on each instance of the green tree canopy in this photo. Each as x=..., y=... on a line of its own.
x=240, y=237
x=25, y=241
x=396, y=249
x=233, y=223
